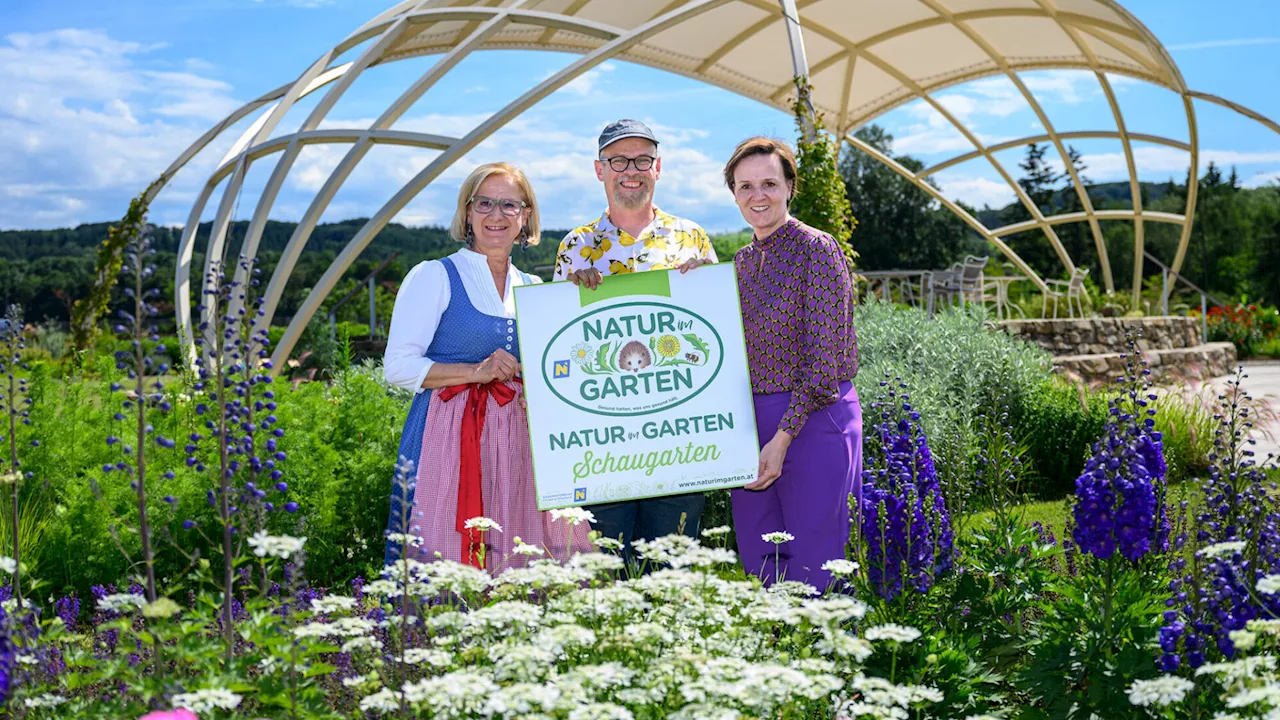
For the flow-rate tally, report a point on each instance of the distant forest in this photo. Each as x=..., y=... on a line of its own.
x=1234, y=249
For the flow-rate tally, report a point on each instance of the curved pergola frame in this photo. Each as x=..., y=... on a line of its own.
x=860, y=71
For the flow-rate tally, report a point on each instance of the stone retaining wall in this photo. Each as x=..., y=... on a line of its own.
x=1097, y=336
x=1197, y=363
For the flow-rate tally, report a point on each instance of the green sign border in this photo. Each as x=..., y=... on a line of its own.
x=552, y=341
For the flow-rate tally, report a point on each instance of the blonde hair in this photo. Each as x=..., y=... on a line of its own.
x=761, y=145
x=458, y=228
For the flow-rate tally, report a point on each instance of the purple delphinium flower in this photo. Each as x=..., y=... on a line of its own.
x=1120, y=495
x=7, y=651
x=68, y=608
x=904, y=526
x=1215, y=593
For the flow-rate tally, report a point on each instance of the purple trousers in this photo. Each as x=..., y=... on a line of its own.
x=810, y=500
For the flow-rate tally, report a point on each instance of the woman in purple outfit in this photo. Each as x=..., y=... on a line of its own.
x=802, y=352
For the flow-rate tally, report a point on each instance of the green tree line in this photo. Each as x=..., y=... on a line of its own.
x=1234, y=248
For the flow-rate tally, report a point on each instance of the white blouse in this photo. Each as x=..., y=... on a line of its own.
x=420, y=303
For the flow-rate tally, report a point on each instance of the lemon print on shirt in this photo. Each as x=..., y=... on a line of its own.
x=625, y=239
x=597, y=251
x=687, y=240
x=656, y=242
x=618, y=267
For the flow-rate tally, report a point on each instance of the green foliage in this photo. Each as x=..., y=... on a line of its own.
x=955, y=368
x=1096, y=637
x=87, y=311
x=899, y=225
x=1058, y=422
x=341, y=440
x=820, y=198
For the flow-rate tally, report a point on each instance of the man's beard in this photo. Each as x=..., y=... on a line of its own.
x=632, y=199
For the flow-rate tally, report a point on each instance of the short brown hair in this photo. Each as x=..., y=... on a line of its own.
x=458, y=228
x=761, y=145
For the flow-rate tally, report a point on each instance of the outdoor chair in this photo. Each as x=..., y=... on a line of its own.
x=1067, y=290
x=971, y=280
x=943, y=285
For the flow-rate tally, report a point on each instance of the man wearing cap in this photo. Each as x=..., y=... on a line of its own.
x=633, y=235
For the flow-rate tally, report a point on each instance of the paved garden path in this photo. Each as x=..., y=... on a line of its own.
x=1263, y=384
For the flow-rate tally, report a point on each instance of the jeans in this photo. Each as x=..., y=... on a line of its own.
x=648, y=519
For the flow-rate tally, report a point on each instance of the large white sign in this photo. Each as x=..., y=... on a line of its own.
x=638, y=388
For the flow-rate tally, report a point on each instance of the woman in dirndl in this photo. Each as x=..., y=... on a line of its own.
x=453, y=341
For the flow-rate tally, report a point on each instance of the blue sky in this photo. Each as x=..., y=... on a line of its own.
x=96, y=98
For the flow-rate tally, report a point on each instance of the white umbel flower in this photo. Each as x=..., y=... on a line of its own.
x=840, y=567
x=1220, y=549
x=1163, y=690
x=44, y=701
x=482, y=524
x=278, y=546
x=893, y=633
x=121, y=602
x=1269, y=585
x=574, y=515
x=332, y=604
x=381, y=702
x=8, y=564
x=203, y=701
x=719, y=530
x=777, y=537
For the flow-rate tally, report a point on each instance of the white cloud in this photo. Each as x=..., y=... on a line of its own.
x=84, y=115
x=1262, y=179
x=982, y=105
x=586, y=84
x=975, y=192
x=1162, y=161
x=1237, y=42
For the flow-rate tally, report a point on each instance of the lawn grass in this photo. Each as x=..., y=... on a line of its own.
x=1052, y=514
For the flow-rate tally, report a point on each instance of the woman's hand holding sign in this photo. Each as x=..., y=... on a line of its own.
x=501, y=366
x=772, y=456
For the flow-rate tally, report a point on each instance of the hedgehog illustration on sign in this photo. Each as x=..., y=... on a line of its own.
x=634, y=356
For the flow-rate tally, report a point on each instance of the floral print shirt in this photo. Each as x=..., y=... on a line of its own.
x=797, y=312
x=664, y=244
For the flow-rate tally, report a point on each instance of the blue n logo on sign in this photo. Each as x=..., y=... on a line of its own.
x=579, y=494
x=561, y=369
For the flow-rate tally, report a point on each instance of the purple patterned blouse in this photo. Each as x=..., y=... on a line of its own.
x=797, y=311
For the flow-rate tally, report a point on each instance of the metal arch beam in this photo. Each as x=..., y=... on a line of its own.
x=204, y=140
x=926, y=23
x=267, y=201
x=960, y=212
x=1083, y=194
x=378, y=133
x=186, y=247
x=307, y=224
x=1251, y=114
x=1162, y=75
x=1135, y=189
x=1071, y=135
x=571, y=10
x=919, y=92
x=365, y=235
x=215, y=248
x=1063, y=218
x=1193, y=189
x=842, y=125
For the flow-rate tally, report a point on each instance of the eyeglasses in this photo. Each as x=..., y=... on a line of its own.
x=620, y=163
x=485, y=205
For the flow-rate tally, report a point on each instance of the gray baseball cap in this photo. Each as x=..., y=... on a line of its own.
x=616, y=131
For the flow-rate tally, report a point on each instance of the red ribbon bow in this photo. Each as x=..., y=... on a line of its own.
x=470, y=500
